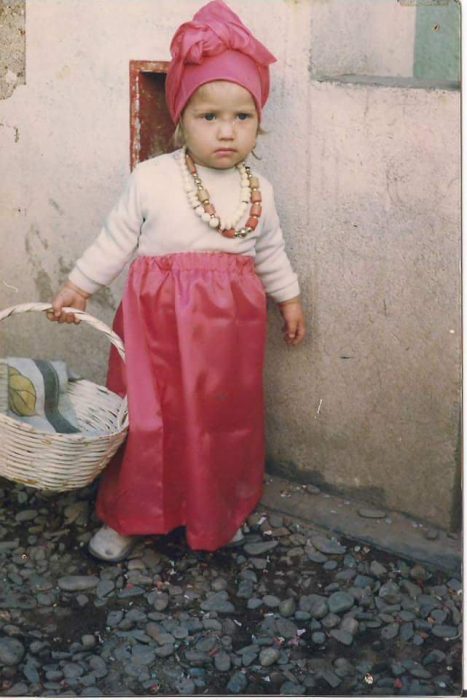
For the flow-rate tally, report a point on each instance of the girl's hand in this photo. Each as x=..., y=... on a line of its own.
x=69, y=295
x=294, y=321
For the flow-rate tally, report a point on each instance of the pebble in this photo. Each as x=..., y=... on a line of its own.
x=431, y=534
x=318, y=637
x=268, y=656
x=271, y=601
x=237, y=683
x=77, y=583
x=287, y=607
x=218, y=602
x=327, y=545
x=342, y=636
x=11, y=651
x=255, y=548
x=390, y=631
x=378, y=569
x=445, y=631
x=222, y=662
x=371, y=513
x=340, y=602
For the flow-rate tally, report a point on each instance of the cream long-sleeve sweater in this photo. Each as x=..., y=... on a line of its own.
x=153, y=217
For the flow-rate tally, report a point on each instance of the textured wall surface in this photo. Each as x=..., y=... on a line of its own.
x=12, y=46
x=367, y=184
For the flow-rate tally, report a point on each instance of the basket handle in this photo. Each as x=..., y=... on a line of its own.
x=87, y=318
x=91, y=320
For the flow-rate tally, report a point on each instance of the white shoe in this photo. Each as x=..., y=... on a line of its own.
x=108, y=545
x=237, y=539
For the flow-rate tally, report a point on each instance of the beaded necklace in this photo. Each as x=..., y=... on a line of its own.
x=198, y=197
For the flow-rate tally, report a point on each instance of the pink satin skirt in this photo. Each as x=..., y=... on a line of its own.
x=194, y=326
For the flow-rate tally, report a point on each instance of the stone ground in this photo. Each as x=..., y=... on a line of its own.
x=294, y=611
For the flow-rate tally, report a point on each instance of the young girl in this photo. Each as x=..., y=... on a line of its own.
x=193, y=315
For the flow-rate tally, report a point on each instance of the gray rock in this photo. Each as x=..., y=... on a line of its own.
x=25, y=515
x=11, y=651
x=455, y=585
x=371, y=513
x=271, y=601
x=142, y=655
x=318, y=637
x=330, y=565
x=104, y=587
x=330, y=677
x=269, y=656
x=245, y=589
x=289, y=688
x=342, y=636
x=218, y=602
x=377, y=569
x=98, y=666
x=237, y=683
x=222, y=662
x=72, y=670
x=88, y=641
x=363, y=581
x=255, y=548
x=164, y=650
x=340, y=602
x=390, y=631
x=331, y=620
x=390, y=593
x=114, y=618
x=418, y=671
x=343, y=668
x=350, y=624
x=439, y=616
x=436, y=656
x=445, y=631
x=254, y=603
x=327, y=545
x=286, y=628
x=185, y=686
x=219, y=584
x=287, y=607
x=314, y=490
x=406, y=631
x=77, y=583
x=160, y=600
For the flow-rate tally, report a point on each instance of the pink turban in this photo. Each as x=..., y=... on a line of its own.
x=216, y=45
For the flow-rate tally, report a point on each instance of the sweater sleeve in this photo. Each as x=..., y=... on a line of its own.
x=271, y=262
x=105, y=258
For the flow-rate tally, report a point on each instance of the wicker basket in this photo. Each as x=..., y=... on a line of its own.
x=57, y=461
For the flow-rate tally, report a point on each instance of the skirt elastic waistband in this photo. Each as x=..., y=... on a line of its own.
x=198, y=261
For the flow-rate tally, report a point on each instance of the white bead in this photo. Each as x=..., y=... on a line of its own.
x=214, y=222
x=199, y=210
x=205, y=216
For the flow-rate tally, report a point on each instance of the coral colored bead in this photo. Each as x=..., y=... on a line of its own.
x=252, y=223
x=230, y=233
x=209, y=209
x=256, y=209
x=256, y=196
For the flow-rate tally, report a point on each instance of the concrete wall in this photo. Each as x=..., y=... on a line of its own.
x=365, y=160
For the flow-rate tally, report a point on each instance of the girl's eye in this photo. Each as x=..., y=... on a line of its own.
x=209, y=116
x=243, y=116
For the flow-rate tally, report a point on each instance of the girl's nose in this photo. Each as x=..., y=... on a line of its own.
x=226, y=129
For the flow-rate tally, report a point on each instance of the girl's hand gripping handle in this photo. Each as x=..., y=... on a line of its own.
x=69, y=295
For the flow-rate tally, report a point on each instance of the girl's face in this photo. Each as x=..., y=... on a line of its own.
x=220, y=124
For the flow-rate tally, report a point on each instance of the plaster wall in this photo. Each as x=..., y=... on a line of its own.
x=367, y=184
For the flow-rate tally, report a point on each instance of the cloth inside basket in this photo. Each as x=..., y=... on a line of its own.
x=35, y=392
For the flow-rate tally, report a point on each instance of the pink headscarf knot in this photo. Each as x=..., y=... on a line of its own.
x=216, y=45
